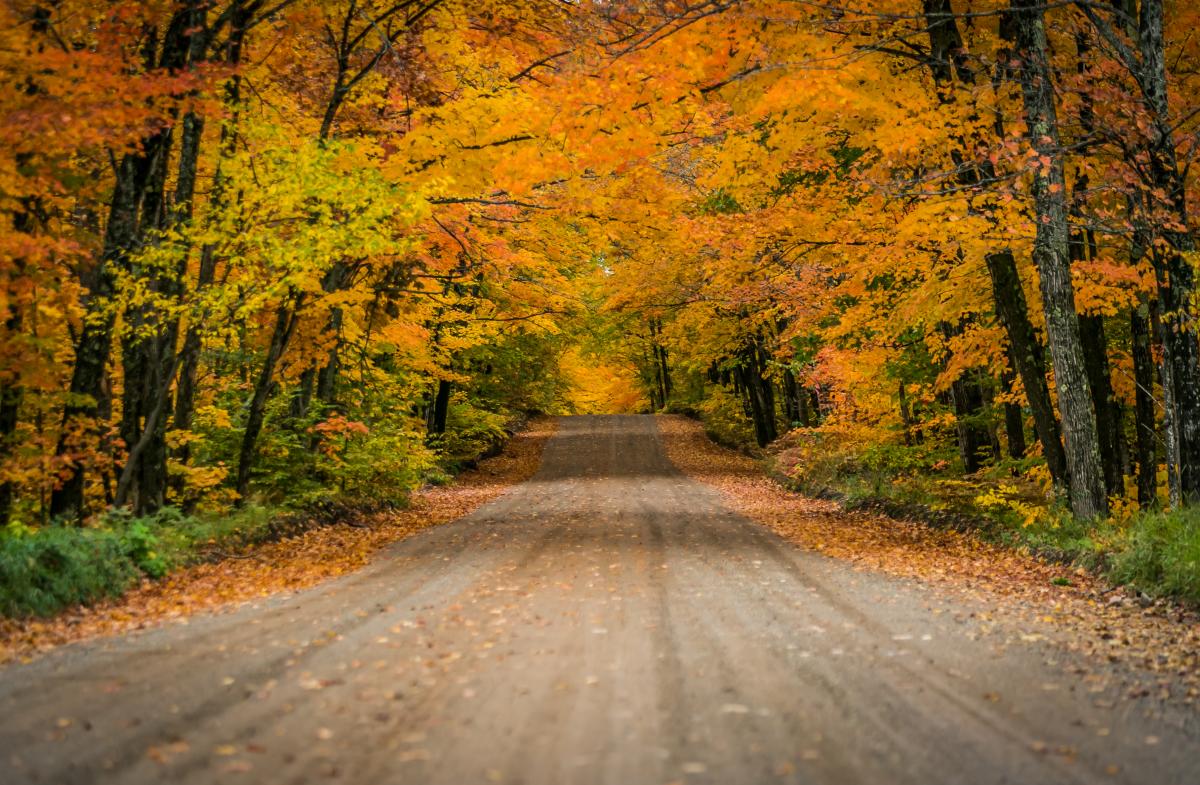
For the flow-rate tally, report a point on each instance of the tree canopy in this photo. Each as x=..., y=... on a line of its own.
x=258, y=249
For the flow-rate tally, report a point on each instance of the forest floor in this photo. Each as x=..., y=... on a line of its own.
x=613, y=620
x=287, y=565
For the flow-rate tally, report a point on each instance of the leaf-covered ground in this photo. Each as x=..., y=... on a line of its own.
x=1154, y=646
x=287, y=565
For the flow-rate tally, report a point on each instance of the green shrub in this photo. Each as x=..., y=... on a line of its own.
x=1159, y=553
x=141, y=546
x=1053, y=533
x=384, y=464
x=853, y=462
x=44, y=571
x=879, y=465
x=725, y=419
x=470, y=432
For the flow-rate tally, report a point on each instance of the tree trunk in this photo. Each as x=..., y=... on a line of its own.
x=1181, y=341
x=185, y=393
x=145, y=357
x=1144, y=425
x=1025, y=348
x=988, y=406
x=791, y=399
x=95, y=339
x=11, y=389
x=906, y=418
x=285, y=324
x=1014, y=418
x=805, y=408
x=1108, y=412
x=10, y=407
x=328, y=375
x=1170, y=434
x=949, y=60
x=322, y=380
x=765, y=391
x=664, y=369
x=966, y=396
x=1086, y=483
x=136, y=206
x=1095, y=344
x=439, y=409
x=658, y=366
x=758, y=393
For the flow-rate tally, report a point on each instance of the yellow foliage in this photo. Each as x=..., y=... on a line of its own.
x=595, y=387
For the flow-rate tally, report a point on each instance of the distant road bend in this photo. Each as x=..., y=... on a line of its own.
x=607, y=622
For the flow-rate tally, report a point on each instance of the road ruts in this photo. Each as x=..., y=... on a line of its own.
x=608, y=621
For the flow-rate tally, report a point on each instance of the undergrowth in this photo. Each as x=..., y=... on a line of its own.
x=57, y=566
x=46, y=569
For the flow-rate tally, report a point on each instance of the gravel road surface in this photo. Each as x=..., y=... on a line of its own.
x=608, y=621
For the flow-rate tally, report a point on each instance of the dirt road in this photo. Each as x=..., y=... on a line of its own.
x=607, y=622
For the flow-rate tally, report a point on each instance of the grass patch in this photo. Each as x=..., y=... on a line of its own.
x=1159, y=553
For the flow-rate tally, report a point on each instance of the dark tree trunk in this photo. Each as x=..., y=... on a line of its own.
x=137, y=206
x=659, y=370
x=95, y=339
x=1177, y=284
x=439, y=409
x=328, y=375
x=322, y=381
x=974, y=438
x=1051, y=254
x=905, y=416
x=285, y=324
x=966, y=397
x=664, y=370
x=806, y=408
x=791, y=399
x=148, y=357
x=10, y=408
x=989, y=406
x=949, y=61
x=185, y=393
x=1108, y=413
x=765, y=391
x=1170, y=440
x=11, y=389
x=1014, y=418
x=751, y=372
x=1146, y=434
x=1091, y=328
x=1165, y=218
